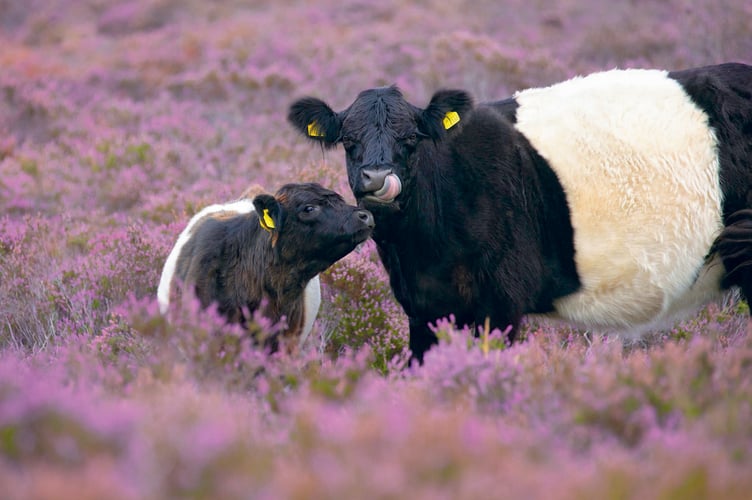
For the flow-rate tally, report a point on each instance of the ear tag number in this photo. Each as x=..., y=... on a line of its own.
x=314, y=130
x=266, y=221
x=450, y=119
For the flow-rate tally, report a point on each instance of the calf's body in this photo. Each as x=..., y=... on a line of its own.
x=265, y=253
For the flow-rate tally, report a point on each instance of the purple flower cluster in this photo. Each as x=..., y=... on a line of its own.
x=120, y=120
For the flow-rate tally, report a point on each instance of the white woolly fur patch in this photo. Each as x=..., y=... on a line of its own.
x=312, y=292
x=638, y=163
x=312, y=296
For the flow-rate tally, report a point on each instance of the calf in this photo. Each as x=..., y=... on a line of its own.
x=266, y=252
x=614, y=200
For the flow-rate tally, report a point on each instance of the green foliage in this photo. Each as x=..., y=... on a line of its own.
x=359, y=309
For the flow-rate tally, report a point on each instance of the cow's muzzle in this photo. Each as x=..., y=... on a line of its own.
x=380, y=185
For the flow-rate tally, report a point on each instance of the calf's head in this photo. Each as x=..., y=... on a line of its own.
x=382, y=134
x=311, y=227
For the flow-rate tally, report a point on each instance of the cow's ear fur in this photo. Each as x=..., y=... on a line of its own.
x=270, y=214
x=316, y=120
x=446, y=109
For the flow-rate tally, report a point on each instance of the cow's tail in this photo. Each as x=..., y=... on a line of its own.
x=734, y=247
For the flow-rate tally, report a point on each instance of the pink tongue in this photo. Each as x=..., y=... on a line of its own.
x=393, y=188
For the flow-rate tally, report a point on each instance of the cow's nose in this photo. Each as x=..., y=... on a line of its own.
x=373, y=179
x=366, y=217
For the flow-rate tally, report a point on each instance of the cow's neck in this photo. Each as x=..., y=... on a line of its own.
x=424, y=218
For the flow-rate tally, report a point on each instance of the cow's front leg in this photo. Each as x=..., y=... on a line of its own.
x=492, y=321
x=421, y=338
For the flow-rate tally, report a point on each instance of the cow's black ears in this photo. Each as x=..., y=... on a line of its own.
x=316, y=120
x=446, y=109
x=269, y=213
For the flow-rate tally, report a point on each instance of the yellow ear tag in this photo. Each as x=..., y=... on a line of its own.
x=314, y=131
x=266, y=221
x=451, y=119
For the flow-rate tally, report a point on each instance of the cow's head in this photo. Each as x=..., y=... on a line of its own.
x=381, y=133
x=311, y=227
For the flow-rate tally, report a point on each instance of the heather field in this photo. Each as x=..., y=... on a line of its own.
x=120, y=120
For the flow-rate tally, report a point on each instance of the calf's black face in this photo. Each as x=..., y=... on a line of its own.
x=312, y=225
x=383, y=135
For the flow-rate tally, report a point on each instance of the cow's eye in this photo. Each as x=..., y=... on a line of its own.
x=348, y=142
x=309, y=208
x=410, y=140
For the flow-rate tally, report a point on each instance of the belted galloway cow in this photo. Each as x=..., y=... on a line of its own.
x=614, y=200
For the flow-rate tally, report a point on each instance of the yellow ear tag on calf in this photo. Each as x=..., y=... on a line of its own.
x=266, y=221
x=314, y=131
x=451, y=119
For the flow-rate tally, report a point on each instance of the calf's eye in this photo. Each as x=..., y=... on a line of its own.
x=309, y=210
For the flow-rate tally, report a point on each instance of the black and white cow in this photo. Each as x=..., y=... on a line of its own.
x=265, y=252
x=613, y=200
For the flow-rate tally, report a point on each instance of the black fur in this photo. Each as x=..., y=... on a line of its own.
x=724, y=93
x=232, y=261
x=507, y=107
x=734, y=246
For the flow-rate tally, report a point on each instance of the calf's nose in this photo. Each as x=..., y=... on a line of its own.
x=366, y=217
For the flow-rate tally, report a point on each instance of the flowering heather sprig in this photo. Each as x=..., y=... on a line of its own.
x=60, y=425
x=360, y=309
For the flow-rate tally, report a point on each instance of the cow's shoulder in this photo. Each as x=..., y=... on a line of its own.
x=507, y=107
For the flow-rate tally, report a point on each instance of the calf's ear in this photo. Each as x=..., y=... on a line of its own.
x=446, y=109
x=269, y=213
x=316, y=120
